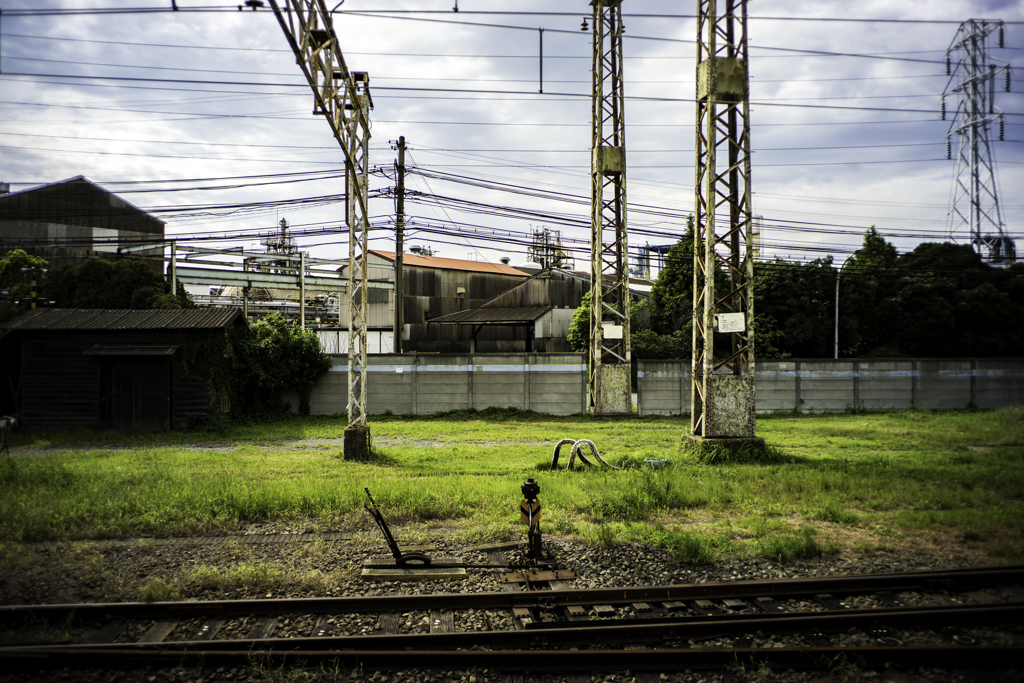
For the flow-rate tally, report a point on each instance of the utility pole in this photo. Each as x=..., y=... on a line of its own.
x=722, y=404
x=343, y=99
x=399, y=246
x=975, y=203
x=609, y=371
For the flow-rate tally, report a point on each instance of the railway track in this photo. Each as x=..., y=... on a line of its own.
x=872, y=620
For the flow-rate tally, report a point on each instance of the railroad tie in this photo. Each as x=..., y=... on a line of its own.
x=106, y=633
x=498, y=557
x=442, y=621
x=210, y=628
x=263, y=628
x=321, y=627
x=389, y=622
x=159, y=631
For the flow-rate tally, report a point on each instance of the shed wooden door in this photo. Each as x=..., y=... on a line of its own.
x=138, y=394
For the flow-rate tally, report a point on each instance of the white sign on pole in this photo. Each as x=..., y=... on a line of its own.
x=731, y=322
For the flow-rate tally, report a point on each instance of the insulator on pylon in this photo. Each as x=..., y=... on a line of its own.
x=1002, y=129
x=1007, y=72
x=1000, y=36
x=947, y=63
x=949, y=149
x=943, y=109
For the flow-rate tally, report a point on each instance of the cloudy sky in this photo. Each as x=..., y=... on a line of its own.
x=204, y=118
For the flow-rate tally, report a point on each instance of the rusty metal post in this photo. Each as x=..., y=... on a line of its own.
x=343, y=99
x=609, y=371
x=722, y=403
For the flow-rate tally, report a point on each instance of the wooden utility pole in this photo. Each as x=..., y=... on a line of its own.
x=399, y=246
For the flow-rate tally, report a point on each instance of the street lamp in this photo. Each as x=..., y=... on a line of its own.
x=838, y=275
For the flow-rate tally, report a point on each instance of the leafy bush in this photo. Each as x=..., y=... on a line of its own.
x=254, y=364
x=19, y=284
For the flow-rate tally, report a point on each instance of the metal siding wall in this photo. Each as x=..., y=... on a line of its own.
x=836, y=386
x=557, y=384
x=409, y=384
x=998, y=383
x=826, y=386
x=443, y=383
x=500, y=381
x=663, y=387
x=943, y=384
x=775, y=386
x=885, y=385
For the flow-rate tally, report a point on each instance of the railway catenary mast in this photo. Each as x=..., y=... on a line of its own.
x=609, y=367
x=343, y=98
x=975, y=200
x=722, y=403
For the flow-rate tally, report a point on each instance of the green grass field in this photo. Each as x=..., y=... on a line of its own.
x=858, y=482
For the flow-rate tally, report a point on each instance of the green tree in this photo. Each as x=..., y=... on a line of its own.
x=948, y=302
x=795, y=301
x=671, y=305
x=101, y=283
x=253, y=364
x=867, y=319
x=579, y=327
x=273, y=355
x=17, y=284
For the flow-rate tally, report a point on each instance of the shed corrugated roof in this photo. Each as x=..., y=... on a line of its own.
x=121, y=319
x=493, y=316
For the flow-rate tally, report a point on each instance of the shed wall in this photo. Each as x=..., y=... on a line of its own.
x=61, y=387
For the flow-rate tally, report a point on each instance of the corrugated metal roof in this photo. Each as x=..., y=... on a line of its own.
x=110, y=350
x=120, y=319
x=450, y=263
x=78, y=179
x=493, y=316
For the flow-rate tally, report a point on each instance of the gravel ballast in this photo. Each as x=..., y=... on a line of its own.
x=238, y=568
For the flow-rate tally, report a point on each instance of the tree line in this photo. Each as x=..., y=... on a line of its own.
x=938, y=300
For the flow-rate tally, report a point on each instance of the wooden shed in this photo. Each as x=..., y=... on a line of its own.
x=120, y=369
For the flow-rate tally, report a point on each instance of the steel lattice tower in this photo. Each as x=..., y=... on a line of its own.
x=343, y=98
x=609, y=380
x=722, y=403
x=975, y=201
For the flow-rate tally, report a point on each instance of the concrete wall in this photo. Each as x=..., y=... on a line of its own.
x=423, y=384
x=825, y=385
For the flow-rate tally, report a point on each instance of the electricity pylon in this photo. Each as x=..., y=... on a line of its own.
x=343, y=98
x=975, y=200
x=722, y=403
x=609, y=380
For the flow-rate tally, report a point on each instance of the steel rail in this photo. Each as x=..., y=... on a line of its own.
x=532, y=660
x=781, y=588
x=638, y=631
